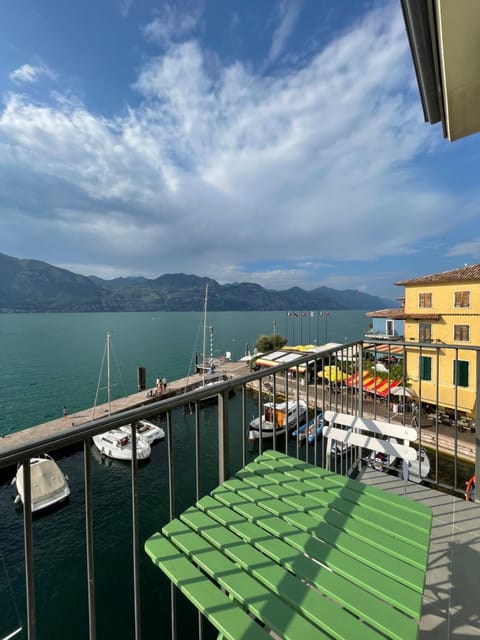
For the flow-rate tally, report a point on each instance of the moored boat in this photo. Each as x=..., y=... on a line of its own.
x=382, y=461
x=147, y=430
x=419, y=469
x=118, y=444
x=311, y=430
x=48, y=483
x=278, y=418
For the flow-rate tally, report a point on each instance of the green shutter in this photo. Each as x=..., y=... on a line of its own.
x=425, y=368
x=460, y=373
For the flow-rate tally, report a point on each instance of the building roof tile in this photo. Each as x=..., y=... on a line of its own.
x=468, y=273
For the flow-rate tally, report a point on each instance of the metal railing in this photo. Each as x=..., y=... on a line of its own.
x=228, y=420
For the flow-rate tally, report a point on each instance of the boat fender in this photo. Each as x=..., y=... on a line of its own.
x=17, y=499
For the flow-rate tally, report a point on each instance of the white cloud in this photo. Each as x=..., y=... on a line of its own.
x=469, y=249
x=125, y=7
x=172, y=24
x=288, y=13
x=218, y=166
x=28, y=73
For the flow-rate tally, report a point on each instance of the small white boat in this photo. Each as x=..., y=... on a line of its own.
x=382, y=461
x=149, y=431
x=118, y=444
x=48, y=483
x=339, y=448
x=279, y=417
x=419, y=469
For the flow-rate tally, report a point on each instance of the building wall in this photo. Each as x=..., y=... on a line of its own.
x=380, y=328
x=458, y=307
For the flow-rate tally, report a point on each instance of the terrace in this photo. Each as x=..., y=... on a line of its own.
x=449, y=605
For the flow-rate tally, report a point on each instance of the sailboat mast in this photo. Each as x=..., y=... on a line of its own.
x=108, y=373
x=204, y=332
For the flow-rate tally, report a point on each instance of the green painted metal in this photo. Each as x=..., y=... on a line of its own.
x=306, y=552
x=227, y=617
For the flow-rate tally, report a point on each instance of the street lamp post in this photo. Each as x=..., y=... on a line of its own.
x=325, y=314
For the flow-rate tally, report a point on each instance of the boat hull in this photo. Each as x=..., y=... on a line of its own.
x=49, y=486
x=147, y=430
x=288, y=416
x=117, y=444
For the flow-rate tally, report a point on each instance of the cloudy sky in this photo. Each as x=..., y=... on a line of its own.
x=280, y=142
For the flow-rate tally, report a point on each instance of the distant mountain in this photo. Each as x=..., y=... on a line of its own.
x=34, y=286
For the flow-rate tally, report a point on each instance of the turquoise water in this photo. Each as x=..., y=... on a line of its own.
x=51, y=360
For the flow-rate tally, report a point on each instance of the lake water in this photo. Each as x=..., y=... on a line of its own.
x=53, y=360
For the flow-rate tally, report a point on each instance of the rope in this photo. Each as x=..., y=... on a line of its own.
x=10, y=589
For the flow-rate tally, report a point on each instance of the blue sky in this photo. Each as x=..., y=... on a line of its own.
x=279, y=142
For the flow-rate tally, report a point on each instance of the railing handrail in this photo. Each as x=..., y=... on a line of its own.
x=72, y=435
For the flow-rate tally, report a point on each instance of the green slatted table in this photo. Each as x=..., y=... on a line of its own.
x=287, y=547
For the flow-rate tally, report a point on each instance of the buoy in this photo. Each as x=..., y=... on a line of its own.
x=470, y=490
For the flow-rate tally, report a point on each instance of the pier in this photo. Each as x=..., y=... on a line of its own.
x=446, y=440
x=144, y=397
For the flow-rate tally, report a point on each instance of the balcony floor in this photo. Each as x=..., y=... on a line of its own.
x=451, y=606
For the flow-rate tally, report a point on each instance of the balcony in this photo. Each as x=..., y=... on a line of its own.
x=85, y=560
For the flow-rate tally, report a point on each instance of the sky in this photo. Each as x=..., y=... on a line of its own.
x=280, y=142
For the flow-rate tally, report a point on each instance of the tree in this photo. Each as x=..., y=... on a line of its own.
x=270, y=343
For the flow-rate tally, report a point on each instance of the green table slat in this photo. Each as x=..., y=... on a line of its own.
x=418, y=512
x=226, y=616
x=245, y=589
x=381, y=585
x=295, y=592
x=410, y=523
x=307, y=552
x=358, y=549
x=292, y=496
x=354, y=598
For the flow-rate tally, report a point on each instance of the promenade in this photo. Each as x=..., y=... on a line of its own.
x=65, y=424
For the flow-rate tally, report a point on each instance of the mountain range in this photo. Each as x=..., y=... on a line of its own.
x=32, y=286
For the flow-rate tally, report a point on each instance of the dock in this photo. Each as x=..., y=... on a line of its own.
x=446, y=440
x=141, y=398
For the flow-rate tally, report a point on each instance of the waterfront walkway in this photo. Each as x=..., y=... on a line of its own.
x=451, y=607
x=66, y=423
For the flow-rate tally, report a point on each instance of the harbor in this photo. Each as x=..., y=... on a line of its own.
x=448, y=440
x=147, y=396
x=60, y=533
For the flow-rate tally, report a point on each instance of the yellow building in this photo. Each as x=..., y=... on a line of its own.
x=444, y=309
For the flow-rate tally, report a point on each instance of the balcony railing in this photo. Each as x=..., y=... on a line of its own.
x=211, y=430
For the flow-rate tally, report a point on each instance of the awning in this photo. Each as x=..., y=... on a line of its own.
x=385, y=348
x=373, y=384
x=332, y=373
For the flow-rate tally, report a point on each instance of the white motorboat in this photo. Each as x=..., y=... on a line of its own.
x=147, y=430
x=48, y=483
x=278, y=418
x=118, y=444
x=382, y=461
x=419, y=469
x=339, y=448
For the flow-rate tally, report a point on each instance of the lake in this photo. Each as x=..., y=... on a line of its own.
x=53, y=360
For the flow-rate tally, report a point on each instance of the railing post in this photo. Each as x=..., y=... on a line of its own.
x=223, y=472
x=477, y=428
x=28, y=545
x=89, y=540
x=135, y=546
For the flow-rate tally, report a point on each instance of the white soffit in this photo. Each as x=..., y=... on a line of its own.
x=459, y=48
